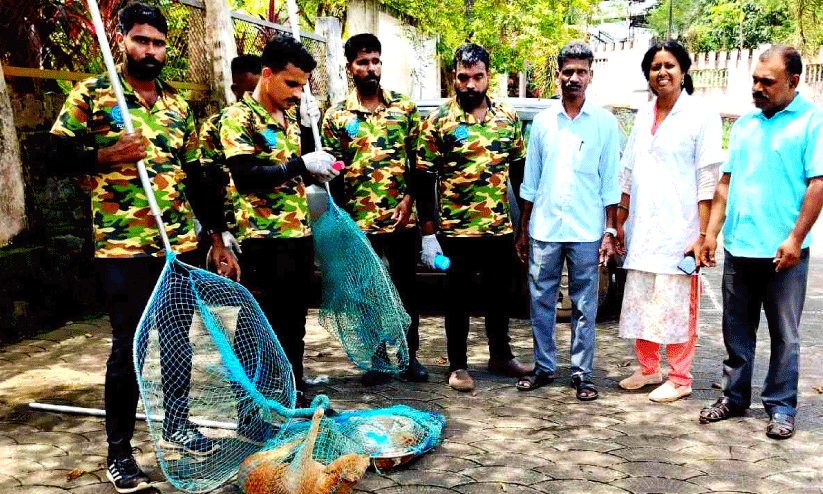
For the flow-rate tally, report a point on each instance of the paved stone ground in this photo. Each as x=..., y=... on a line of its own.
x=496, y=439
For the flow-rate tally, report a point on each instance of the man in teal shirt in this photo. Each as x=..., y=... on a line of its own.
x=770, y=195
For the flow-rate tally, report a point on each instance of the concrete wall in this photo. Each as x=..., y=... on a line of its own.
x=410, y=63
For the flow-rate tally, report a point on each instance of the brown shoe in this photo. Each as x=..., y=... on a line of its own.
x=510, y=368
x=461, y=380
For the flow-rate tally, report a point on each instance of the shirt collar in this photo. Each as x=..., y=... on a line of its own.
x=256, y=107
x=795, y=106
x=586, y=108
x=164, y=90
x=458, y=115
x=353, y=101
x=682, y=102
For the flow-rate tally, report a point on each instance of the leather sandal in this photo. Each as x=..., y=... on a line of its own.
x=534, y=380
x=585, y=389
x=721, y=409
x=781, y=426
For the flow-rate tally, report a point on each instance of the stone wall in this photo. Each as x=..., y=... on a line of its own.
x=46, y=271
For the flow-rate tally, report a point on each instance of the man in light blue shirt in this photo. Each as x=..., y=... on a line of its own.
x=570, y=193
x=770, y=195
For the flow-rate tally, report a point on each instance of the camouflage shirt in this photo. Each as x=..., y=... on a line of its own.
x=247, y=128
x=122, y=221
x=472, y=160
x=211, y=154
x=375, y=147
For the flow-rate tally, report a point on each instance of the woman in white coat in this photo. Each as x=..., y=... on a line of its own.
x=670, y=169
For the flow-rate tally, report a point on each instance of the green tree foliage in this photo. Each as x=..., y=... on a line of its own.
x=723, y=25
x=519, y=34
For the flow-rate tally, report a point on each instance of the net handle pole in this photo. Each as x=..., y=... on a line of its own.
x=124, y=110
x=96, y=412
x=295, y=26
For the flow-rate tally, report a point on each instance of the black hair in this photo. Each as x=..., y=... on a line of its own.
x=361, y=42
x=470, y=54
x=679, y=53
x=284, y=50
x=574, y=50
x=246, y=63
x=139, y=13
x=791, y=58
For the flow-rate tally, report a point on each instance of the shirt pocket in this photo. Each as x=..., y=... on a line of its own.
x=586, y=157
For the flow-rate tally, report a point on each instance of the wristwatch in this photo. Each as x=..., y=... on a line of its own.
x=610, y=231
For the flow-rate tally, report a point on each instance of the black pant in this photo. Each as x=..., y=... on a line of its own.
x=749, y=285
x=401, y=251
x=277, y=271
x=478, y=279
x=128, y=284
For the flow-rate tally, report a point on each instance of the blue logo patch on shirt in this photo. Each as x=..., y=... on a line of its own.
x=461, y=133
x=117, y=116
x=352, y=127
x=271, y=137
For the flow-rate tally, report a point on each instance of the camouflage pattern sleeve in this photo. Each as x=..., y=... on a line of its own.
x=517, y=157
x=330, y=134
x=236, y=135
x=411, y=147
x=211, y=151
x=428, y=144
x=190, y=153
x=76, y=111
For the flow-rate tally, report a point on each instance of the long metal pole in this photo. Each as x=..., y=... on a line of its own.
x=96, y=412
x=124, y=110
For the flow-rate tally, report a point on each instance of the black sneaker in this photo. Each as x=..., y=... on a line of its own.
x=126, y=475
x=416, y=372
x=375, y=377
x=189, y=439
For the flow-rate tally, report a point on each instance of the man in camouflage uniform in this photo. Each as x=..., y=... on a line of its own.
x=89, y=140
x=245, y=73
x=473, y=145
x=374, y=132
x=261, y=139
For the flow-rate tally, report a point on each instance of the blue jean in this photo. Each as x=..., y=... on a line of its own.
x=545, y=269
x=748, y=285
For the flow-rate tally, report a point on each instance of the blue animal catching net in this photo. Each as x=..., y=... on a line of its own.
x=360, y=305
x=218, y=390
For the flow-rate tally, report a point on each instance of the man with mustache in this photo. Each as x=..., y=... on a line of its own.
x=89, y=140
x=570, y=195
x=472, y=145
x=769, y=197
x=374, y=131
x=264, y=149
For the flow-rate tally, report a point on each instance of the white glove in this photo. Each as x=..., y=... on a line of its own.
x=320, y=165
x=309, y=111
x=431, y=249
x=232, y=244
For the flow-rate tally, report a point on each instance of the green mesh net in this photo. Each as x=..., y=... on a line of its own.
x=219, y=395
x=360, y=304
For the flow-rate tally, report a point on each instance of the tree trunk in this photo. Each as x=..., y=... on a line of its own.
x=12, y=202
x=336, y=82
x=222, y=47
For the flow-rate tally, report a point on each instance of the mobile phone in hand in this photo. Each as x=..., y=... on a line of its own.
x=687, y=264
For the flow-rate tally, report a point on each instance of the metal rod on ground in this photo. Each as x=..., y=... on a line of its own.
x=96, y=412
x=124, y=110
